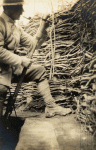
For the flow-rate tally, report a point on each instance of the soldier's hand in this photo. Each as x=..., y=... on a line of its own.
x=26, y=61
x=46, y=16
x=45, y=20
x=18, y=69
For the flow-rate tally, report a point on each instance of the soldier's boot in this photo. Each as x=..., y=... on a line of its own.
x=52, y=108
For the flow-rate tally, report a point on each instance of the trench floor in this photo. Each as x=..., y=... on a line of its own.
x=70, y=134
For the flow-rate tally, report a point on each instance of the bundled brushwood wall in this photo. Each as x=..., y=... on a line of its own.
x=69, y=56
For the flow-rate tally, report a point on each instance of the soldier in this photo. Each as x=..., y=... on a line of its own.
x=11, y=64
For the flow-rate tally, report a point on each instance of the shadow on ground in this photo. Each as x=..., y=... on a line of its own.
x=9, y=133
x=69, y=133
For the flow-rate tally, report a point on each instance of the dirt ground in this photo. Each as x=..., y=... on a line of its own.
x=69, y=133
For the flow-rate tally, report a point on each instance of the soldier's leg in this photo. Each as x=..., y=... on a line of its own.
x=38, y=74
x=52, y=108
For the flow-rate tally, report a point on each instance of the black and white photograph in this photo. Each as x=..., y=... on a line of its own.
x=47, y=74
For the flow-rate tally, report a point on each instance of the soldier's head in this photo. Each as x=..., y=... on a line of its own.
x=13, y=8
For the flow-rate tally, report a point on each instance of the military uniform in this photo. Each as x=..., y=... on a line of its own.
x=11, y=37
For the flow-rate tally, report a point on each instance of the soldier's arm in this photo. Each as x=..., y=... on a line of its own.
x=6, y=56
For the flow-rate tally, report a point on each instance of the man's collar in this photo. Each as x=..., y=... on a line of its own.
x=7, y=18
